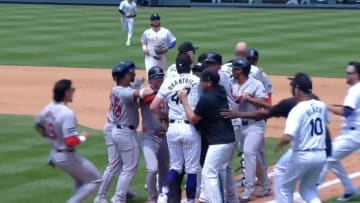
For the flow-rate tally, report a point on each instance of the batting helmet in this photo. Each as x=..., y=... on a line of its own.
x=122, y=68
x=241, y=63
x=156, y=72
x=213, y=58
x=253, y=55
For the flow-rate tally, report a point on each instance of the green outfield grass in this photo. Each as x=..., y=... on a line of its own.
x=319, y=42
x=26, y=177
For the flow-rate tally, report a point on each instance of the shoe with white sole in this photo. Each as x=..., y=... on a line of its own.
x=162, y=198
x=346, y=197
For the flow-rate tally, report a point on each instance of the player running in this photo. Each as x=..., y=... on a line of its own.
x=154, y=38
x=127, y=9
x=57, y=122
x=349, y=141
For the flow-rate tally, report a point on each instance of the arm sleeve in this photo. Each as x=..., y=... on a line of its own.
x=121, y=6
x=127, y=95
x=162, y=91
x=69, y=125
x=266, y=82
x=143, y=38
x=292, y=122
x=171, y=38
x=347, y=111
x=260, y=91
x=350, y=99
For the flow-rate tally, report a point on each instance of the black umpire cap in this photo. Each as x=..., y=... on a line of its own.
x=302, y=81
x=186, y=46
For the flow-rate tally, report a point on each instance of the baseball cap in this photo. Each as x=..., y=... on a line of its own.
x=253, y=54
x=302, y=81
x=186, y=46
x=154, y=16
x=183, y=61
x=213, y=58
x=210, y=76
x=199, y=67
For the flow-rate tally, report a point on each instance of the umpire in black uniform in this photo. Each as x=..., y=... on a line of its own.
x=217, y=130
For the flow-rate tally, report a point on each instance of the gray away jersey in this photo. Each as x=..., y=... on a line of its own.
x=252, y=87
x=123, y=108
x=59, y=122
x=168, y=92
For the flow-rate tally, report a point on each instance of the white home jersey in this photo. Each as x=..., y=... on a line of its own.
x=59, y=122
x=352, y=99
x=306, y=123
x=123, y=108
x=168, y=92
x=128, y=8
x=152, y=39
x=172, y=71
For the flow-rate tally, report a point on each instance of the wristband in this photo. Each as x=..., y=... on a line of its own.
x=82, y=138
x=144, y=47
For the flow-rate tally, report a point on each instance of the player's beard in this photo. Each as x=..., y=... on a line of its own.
x=155, y=25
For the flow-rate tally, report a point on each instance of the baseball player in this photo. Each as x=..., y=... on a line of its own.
x=57, y=122
x=182, y=137
x=124, y=110
x=127, y=9
x=349, y=141
x=155, y=148
x=250, y=95
x=156, y=41
x=185, y=47
x=305, y=129
x=218, y=131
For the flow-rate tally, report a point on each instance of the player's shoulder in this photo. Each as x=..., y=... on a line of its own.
x=254, y=81
x=254, y=68
x=355, y=88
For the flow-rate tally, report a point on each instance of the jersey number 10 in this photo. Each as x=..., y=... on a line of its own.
x=316, y=126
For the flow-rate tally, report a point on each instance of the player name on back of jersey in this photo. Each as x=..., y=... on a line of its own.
x=314, y=109
x=178, y=81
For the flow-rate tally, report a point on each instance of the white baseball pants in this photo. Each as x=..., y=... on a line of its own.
x=303, y=166
x=127, y=146
x=150, y=61
x=343, y=146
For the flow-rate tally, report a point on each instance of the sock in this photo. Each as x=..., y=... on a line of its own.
x=191, y=186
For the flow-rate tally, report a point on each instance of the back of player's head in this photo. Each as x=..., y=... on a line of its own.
x=356, y=65
x=253, y=56
x=202, y=57
x=242, y=64
x=303, y=82
x=213, y=58
x=210, y=75
x=60, y=89
x=183, y=63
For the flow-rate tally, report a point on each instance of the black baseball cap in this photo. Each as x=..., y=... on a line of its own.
x=213, y=58
x=186, y=46
x=199, y=67
x=302, y=81
x=154, y=16
x=210, y=76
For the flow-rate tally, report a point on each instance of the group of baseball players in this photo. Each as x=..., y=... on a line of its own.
x=194, y=118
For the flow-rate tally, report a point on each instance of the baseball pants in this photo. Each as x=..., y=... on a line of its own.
x=156, y=156
x=126, y=143
x=303, y=166
x=128, y=26
x=216, y=161
x=251, y=139
x=85, y=175
x=342, y=146
x=150, y=61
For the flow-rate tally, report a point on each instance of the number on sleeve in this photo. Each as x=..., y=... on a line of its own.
x=316, y=127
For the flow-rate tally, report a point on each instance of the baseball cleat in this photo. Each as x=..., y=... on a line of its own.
x=130, y=195
x=162, y=198
x=346, y=197
x=127, y=43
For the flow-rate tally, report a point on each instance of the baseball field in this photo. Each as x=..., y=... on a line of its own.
x=41, y=44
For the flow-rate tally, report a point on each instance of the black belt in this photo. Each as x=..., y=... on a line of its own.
x=248, y=122
x=309, y=150
x=173, y=121
x=125, y=126
x=65, y=150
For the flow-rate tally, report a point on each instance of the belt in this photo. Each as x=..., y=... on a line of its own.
x=125, y=127
x=309, y=150
x=65, y=150
x=248, y=122
x=179, y=121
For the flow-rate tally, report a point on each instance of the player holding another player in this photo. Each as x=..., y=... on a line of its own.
x=57, y=122
x=182, y=137
x=124, y=109
x=127, y=9
x=156, y=153
x=156, y=41
x=349, y=141
x=305, y=129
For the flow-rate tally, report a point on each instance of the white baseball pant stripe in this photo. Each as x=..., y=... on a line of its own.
x=127, y=145
x=342, y=146
x=305, y=167
x=216, y=161
x=156, y=155
x=184, y=147
x=114, y=162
